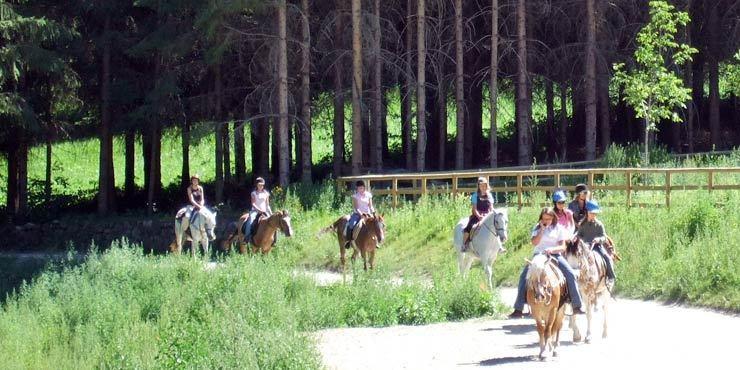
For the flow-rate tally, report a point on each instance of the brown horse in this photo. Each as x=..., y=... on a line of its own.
x=591, y=283
x=264, y=238
x=545, y=295
x=368, y=233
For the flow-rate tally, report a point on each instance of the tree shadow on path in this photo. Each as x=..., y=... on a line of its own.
x=514, y=329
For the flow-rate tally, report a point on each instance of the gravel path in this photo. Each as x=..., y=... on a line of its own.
x=640, y=334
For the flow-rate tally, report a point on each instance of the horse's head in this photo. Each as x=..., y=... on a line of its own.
x=501, y=223
x=376, y=224
x=283, y=219
x=208, y=219
x=538, y=280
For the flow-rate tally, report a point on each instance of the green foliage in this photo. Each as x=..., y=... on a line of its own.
x=621, y=156
x=730, y=72
x=650, y=87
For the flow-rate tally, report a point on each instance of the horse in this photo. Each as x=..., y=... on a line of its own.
x=265, y=232
x=201, y=231
x=591, y=283
x=368, y=233
x=485, y=242
x=546, y=291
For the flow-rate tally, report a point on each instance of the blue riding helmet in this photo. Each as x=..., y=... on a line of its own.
x=558, y=196
x=593, y=207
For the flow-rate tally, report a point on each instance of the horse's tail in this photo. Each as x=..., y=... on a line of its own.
x=334, y=227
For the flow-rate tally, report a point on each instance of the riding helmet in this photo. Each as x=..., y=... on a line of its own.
x=360, y=183
x=581, y=187
x=259, y=180
x=558, y=196
x=482, y=180
x=593, y=207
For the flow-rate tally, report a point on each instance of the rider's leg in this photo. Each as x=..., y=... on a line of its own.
x=466, y=232
x=608, y=261
x=353, y=220
x=248, y=225
x=570, y=279
x=521, y=294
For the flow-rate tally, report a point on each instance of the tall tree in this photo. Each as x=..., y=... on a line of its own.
x=218, y=127
x=523, y=102
x=377, y=115
x=338, y=93
x=493, y=85
x=106, y=181
x=305, y=129
x=284, y=150
x=459, y=87
x=407, y=87
x=421, y=137
x=650, y=88
x=356, y=86
x=590, y=92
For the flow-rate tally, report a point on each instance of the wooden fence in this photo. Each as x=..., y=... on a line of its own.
x=523, y=181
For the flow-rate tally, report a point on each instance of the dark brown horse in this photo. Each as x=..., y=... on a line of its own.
x=368, y=233
x=545, y=292
x=264, y=237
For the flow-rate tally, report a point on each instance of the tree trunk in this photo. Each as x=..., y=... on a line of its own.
x=356, y=87
x=563, y=127
x=226, y=142
x=339, y=136
x=284, y=149
x=442, y=123
x=714, y=124
x=646, y=155
x=22, y=200
x=590, y=81
x=240, y=166
x=407, y=89
x=459, y=88
x=696, y=12
x=421, y=137
x=377, y=115
x=604, y=107
x=155, y=172
x=550, y=117
x=130, y=162
x=47, y=182
x=219, y=138
x=493, y=85
x=260, y=139
x=106, y=181
x=146, y=155
x=305, y=129
x=523, y=103
x=384, y=128
x=12, y=196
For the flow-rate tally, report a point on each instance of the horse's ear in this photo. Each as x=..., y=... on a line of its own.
x=285, y=213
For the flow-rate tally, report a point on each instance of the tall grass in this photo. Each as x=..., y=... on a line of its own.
x=122, y=309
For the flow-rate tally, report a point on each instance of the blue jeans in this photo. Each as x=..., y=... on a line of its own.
x=570, y=279
x=608, y=261
x=353, y=220
x=247, y=228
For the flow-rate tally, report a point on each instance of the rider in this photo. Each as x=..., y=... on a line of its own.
x=481, y=203
x=564, y=215
x=592, y=232
x=548, y=237
x=196, y=197
x=260, y=204
x=578, y=205
x=362, y=203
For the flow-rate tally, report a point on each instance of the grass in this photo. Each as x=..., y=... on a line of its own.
x=123, y=309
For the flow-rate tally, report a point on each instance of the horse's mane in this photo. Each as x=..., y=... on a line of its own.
x=540, y=265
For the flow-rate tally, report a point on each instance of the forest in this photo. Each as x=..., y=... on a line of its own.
x=396, y=85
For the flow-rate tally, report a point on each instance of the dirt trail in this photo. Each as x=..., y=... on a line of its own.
x=640, y=334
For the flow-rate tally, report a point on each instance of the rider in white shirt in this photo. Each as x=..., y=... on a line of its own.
x=260, y=201
x=362, y=203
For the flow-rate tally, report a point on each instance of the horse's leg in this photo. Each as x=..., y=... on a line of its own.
x=541, y=332
x=364, y=259
x=466, y=265
x=372, y=259
x=488, y=268
x=559, y=315
x=461, y=262
x=589, y=315
x=574, y=327
x=603, y=308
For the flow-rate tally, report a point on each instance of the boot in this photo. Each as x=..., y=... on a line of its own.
x=466, y=241
x=517, y=314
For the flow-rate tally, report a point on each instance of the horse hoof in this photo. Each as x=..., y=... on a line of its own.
x=603, y=336
x=588, y=340
x=576, y=339
x=554, y=353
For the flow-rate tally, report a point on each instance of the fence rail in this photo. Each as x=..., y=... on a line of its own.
x=524, y=181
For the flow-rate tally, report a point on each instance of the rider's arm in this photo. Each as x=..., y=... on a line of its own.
x=600, y=234
x=560, y=248
x=191, y=199
x=537, y=234
x=370, y=205
x=267, y=205
x=253, y=197
x=473, y=205
x=355, y=206
x=202, y=197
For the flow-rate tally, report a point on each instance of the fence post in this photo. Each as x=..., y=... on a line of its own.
x=710, y=180
x=590, y=180
x=668, y=189
x=557, y=180
x=519, y=185
x=394, y=193
x=423, y=186
x=454, y=186
x=628, y=179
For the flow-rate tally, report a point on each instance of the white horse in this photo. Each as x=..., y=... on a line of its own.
x=201, y=231
x=592, y=285
x=485, y=242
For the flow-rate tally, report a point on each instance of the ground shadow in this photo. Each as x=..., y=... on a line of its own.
x=507, y=360
x=537, y=345
x=514, y=329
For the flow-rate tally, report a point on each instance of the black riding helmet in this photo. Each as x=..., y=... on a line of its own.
x=360, y=183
